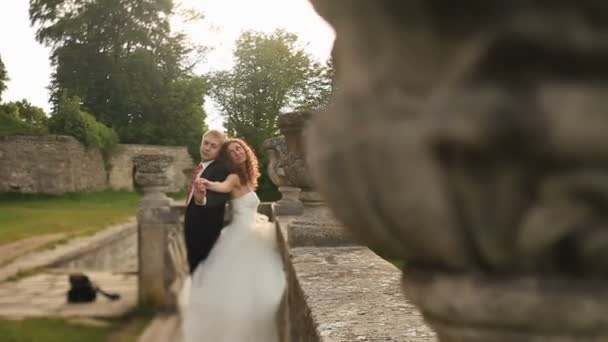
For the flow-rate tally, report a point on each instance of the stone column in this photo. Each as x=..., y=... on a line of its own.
x=156, y=221
x=470, y=140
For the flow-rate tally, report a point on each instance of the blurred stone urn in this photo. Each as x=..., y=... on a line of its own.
x=151, y=175
x=471, y=140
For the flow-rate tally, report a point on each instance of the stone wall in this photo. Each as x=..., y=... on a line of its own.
x=50, y=164
x=122, y=168
x=56, y=164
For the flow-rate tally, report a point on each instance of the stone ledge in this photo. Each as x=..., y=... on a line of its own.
x=351, y=294
x=310, y=233
x=62, y=253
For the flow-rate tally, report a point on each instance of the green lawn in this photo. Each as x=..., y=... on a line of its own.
x=23, y=216
x=50, y=330
x=121, y=329
x=177, y=195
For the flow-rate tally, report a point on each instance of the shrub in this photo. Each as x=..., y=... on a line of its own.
x=22, y=118
x=70, y=119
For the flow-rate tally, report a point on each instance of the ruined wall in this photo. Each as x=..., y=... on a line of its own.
x=56, y=164
x=50, y=164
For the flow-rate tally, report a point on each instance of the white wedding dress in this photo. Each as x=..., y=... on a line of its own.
x=234, y=295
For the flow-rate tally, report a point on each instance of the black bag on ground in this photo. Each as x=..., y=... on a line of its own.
x=82, y=290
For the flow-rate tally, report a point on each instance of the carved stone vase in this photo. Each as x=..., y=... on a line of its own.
x=470, y=139
x=287, y=167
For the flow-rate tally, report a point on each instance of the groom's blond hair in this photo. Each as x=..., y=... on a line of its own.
x=221, y=136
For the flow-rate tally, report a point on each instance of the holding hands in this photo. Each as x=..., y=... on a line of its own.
x=200, y=191
x=200, y=185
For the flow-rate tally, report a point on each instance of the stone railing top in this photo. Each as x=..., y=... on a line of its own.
x=152, y=163
x=354, y=295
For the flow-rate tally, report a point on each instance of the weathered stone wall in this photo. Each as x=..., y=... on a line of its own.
x=56, y=164
x=121, y=166
x=50, y=164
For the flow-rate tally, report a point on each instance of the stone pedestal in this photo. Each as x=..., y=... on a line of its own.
x=156, y=221
x=290, y=203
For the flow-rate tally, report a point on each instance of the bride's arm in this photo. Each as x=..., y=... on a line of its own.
x=226, y=186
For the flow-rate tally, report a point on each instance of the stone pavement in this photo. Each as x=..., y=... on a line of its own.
x=44, y=294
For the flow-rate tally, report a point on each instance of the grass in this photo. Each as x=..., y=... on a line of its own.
x=126, y=328
x=177, y=195
x=399, y=263
x=50, y=330
x=23, y=216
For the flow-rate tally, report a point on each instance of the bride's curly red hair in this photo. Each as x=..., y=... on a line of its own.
x=248, y=171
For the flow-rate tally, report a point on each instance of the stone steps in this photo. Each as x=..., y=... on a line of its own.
x=63, y=253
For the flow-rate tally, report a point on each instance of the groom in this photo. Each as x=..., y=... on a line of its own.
x=204, y=217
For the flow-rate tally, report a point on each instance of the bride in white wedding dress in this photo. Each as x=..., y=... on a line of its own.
x=235, y=293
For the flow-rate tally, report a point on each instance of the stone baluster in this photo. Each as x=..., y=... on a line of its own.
x=158, y=225
x=469, y=139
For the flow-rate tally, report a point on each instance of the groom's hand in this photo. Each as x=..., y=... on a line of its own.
x=200, y=194
x=199, y=184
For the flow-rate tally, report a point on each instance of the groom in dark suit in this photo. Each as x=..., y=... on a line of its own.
x=204, y=217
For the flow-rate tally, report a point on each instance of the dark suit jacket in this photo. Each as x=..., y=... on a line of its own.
x=203, y=224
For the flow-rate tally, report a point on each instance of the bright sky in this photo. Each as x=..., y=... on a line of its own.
x=28, y=65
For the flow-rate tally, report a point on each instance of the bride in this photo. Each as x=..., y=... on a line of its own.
x=235, y=293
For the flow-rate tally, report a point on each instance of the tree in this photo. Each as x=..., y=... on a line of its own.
x=126, y=65
x=3, y=78
x=21, y=117
x=320, y=85
x=34, y=117
x=271, y=74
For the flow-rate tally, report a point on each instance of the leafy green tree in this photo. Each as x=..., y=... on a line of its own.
x=122, y=60
x=272, y=74
x=3, y=78
x=10, y=123
x=21, y=117
x=34, y=117
x=320, y=85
